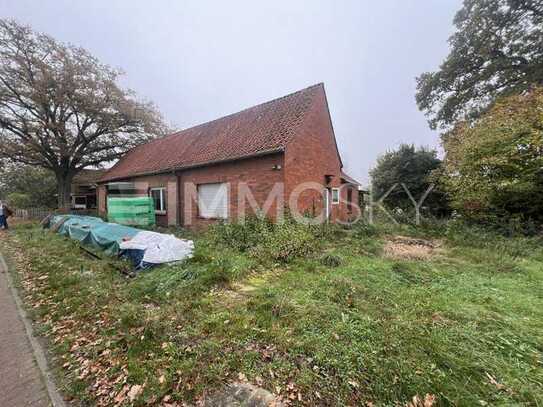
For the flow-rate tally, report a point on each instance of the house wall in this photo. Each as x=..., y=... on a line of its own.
x=101, y=197
x=350, y=210
x=87, y=190
x=143, y=185
x=257, y=173
x=310, y=157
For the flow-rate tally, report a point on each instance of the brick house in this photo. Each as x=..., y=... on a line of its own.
x=268, y=156
x=84, y=189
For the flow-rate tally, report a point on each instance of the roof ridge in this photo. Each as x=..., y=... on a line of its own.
x=175, y=133
x=269, y=125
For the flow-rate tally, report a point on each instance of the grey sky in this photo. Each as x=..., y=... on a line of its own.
x=199, y=60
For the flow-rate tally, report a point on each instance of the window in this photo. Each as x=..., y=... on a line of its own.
x=159, y=198
x=213, y=201
x=335, y=196
x=79, y=202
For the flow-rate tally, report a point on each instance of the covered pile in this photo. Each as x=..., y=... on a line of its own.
x=144, y=248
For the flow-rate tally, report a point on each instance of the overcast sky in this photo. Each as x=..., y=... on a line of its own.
x=202, y=59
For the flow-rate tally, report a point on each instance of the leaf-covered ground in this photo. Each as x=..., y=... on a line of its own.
x=463, y=324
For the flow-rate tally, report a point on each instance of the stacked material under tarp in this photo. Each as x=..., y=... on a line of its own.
x=136, y=211
x=143, y=248
x=159, y=248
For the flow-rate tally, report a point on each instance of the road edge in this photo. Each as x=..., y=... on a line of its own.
x=37, y=349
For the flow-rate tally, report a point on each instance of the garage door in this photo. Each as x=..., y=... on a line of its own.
x=213, y=200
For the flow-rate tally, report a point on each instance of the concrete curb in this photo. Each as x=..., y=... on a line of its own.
x=37, y=349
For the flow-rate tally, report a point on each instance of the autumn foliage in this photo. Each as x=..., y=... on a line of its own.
x=494, y=167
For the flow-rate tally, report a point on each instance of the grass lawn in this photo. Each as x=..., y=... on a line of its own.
x=338, y=324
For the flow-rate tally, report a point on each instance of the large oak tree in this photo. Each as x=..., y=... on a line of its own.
x=496, y=50
x=62, y=110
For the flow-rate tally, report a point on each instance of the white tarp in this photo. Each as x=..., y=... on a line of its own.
x=159, y=248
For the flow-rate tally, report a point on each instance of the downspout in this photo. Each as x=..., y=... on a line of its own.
x=179, y=199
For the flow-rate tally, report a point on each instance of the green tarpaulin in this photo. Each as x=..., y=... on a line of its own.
x=139, y=211
x=94, y=232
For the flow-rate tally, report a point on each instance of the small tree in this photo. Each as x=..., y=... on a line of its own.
x=494, y=167
x=412, y=167
x=62, y=110
x=497, y=50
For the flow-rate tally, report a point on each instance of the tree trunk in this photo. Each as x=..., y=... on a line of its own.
x=64, y=188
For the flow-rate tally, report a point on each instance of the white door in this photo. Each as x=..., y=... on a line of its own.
x=326, y=201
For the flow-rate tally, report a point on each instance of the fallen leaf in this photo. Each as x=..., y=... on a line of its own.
x=135, y=391
x=493, y=381
x=416, y=401
x=353, y=383
x=122, y=394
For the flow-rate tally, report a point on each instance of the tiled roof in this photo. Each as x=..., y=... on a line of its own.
x=349, y=179
x=261, y=129
x=88, y=176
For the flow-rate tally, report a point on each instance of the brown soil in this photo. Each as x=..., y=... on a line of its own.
x=408, y=248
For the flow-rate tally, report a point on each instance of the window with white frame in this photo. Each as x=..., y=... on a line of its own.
x=335, y=196
x=213, y=201
x=159, y=199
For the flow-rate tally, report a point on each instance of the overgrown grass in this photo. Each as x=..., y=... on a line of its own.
x=317, y=316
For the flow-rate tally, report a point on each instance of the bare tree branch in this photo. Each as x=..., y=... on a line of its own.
x=61, y=109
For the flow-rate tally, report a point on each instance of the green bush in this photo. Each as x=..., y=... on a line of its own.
x=265, y=240
x=330, y=260
x=244, y=235
x=218, y=272
x=465, y=234
x=19, y=200
x=287, y=241
x=363, y=229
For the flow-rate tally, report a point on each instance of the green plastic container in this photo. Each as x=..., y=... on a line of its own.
x=138, y=211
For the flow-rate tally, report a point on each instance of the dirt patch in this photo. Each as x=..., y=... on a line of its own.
x=243, y=394
x=409, y=248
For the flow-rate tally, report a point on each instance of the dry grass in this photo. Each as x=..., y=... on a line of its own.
x=408, y=248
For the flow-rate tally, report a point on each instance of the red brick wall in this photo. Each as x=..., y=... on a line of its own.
x=101, y=197
x=143, y=184
x=310, y=157
x=350, y=210
x=257, y=173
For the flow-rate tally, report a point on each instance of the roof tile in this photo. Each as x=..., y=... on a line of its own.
x=257, y=130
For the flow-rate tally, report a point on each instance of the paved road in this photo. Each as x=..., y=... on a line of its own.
x=20, y=378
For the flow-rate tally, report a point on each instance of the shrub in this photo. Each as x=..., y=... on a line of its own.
x=287, y=241
x=244, y=235
x=465, y=234
x=362, y=229
x=219, y=272
x=331, y=260
x=265, y=240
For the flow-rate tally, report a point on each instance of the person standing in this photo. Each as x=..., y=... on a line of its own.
x=5, y=213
